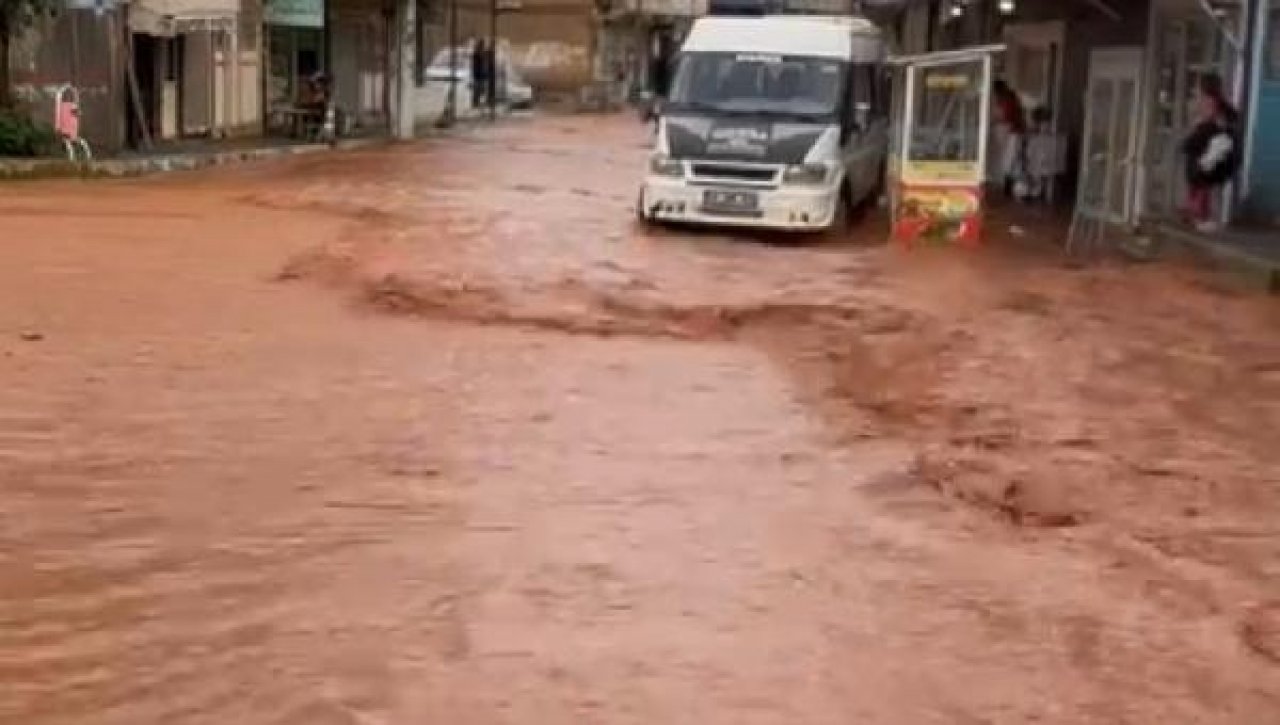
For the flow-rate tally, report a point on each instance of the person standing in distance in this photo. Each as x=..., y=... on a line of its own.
x=1211, y=151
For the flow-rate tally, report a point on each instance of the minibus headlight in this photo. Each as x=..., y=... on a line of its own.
x=806, y=174
x=660, y=165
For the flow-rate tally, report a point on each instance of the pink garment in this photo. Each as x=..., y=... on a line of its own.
x=68, y=119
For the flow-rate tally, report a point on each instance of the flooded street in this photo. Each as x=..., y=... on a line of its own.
x=435, y=433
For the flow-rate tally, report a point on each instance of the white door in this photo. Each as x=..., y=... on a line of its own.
x=1108, y=172
x=1187, y=46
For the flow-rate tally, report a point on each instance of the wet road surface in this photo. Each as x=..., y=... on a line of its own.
x=435, y=434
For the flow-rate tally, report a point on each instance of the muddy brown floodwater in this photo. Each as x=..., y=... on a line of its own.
x=435, y=434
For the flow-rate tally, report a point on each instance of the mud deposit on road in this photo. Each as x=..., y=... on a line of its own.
x=435, y=434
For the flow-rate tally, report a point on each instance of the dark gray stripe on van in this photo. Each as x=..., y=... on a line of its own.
x=740, y=139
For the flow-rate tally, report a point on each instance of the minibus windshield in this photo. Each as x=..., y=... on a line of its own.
x=754, y=84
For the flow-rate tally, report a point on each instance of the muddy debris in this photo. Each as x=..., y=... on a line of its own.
x=1022, y=498
x=1261, y=631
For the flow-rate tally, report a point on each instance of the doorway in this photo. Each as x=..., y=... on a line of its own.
x=1108, y=163
x=158, y=63
x=141, y=119
x=1187, y=46
x=1033, y=65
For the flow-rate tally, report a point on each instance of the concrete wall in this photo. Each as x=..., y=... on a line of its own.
x=43, y=59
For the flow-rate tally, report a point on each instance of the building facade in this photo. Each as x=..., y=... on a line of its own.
x=1118, y=81
x=83, y=48
x=196, y=69
x=147, y=71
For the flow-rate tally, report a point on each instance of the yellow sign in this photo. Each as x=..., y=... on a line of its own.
x=942, y=172
x=946, y=82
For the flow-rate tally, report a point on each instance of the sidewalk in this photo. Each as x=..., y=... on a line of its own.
x=180, y=157
x=1254, y=251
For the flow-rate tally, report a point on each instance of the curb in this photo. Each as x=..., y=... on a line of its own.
x=1262, y=271
x=19, y=169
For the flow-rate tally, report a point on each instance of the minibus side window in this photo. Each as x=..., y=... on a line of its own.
x=849, y=114
x=861, y=109
x=886, y=93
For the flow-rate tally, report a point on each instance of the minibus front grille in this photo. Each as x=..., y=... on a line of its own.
x=753, y=174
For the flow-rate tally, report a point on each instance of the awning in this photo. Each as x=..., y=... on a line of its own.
x=1222, y=13
x=167, y=18
x=661, y=8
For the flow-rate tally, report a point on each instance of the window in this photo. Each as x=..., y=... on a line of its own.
x=250, y=29
x=174, y=49
x=424, y=40
x=869, y=90
x=760, y=84
x=863, y=93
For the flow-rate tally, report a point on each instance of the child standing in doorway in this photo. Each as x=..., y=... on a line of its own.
x=1211, y=151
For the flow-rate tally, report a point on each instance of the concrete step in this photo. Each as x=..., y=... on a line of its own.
x=1254, y=253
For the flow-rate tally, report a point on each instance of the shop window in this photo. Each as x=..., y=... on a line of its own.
x=250, y=29
x=174, y=49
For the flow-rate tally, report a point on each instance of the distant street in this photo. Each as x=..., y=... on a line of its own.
x=436, y=434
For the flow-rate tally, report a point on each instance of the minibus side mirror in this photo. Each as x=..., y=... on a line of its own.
x=862, y=115
x=855, y=121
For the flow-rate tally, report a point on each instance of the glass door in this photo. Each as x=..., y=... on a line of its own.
x=1108, y=170
x=1188, y=47
x=1167, y=120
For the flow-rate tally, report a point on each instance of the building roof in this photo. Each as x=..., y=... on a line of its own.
x=807, y=35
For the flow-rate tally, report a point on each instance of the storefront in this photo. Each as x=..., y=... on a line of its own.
x=295, y=36
x=1186, y=44
x=361, y=64
x=186, y=62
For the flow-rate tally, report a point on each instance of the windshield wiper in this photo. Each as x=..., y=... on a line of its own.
x=787, y=115
x=704, y=107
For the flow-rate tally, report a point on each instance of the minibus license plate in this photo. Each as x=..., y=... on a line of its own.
x=730, y=201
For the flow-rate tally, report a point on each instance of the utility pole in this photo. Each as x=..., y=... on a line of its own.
x=493, y=60
x=406, y=20
x=451, y=103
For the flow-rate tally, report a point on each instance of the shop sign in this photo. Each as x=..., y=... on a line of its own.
x=947, y=81
x=295, y=13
